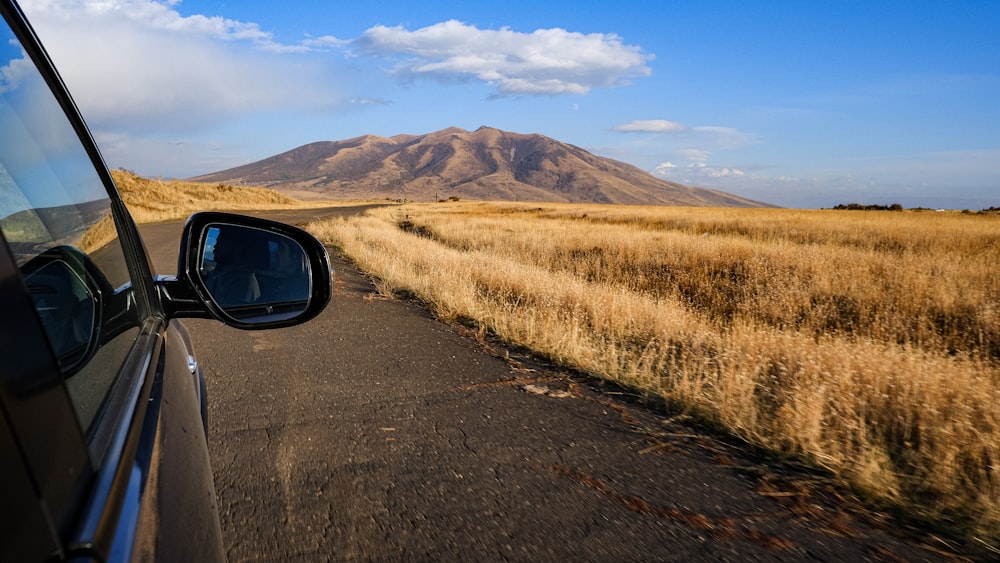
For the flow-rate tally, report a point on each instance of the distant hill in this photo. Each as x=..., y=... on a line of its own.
x=487, y=164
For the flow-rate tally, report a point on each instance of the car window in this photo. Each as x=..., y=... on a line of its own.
x=55, y=215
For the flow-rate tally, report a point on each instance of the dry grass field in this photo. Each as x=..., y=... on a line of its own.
x=867, y=343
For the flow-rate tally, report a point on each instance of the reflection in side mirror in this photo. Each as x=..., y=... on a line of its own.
x=254, y=275
x=66, y=305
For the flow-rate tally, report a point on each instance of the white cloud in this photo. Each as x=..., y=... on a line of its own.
x=147, y=14
x=546, y=61
x=15, y=72
x=141, y=65
x=785, y=191
x=143, y=71
x=694, y=170
x=326, y=41
x=651, y=126
x=697, y=168
x=693, y=144
x=722, y=172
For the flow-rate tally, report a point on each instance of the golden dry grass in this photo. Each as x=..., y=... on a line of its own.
x=865, y=342
x=150, y=200
x=155, y=200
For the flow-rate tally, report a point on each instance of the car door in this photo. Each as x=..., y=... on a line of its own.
x=88, y=355
x=45, y=462
x=103, y=454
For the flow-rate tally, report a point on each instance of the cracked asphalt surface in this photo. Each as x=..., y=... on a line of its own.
x=378, y=433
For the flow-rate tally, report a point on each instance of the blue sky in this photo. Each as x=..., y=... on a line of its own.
x=802, y=103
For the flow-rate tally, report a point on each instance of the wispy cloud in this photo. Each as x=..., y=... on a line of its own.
x=694, y=171
x=651, y=126
x=709, y=135
x=723, y=137
x=688, y=149
x=543, y=62
x=695, y=157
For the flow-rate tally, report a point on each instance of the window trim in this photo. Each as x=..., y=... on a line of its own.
x=98, y=524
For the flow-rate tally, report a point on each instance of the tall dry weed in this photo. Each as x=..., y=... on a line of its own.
x=867, y=344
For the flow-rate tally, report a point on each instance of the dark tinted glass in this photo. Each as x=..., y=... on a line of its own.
x=253, y=274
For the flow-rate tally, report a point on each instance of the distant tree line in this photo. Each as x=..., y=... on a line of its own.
x=898, y=207
x=860, y=207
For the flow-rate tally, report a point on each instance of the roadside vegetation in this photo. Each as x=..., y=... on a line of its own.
x=865, y=343
x=155, y=200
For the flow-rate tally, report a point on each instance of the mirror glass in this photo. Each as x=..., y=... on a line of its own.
x=254, y=275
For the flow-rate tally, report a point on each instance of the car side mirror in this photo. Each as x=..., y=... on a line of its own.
x=249, y=272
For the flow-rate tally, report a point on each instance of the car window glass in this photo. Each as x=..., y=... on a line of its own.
x=55, y=215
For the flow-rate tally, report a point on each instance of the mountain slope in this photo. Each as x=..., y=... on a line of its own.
x=487, y=164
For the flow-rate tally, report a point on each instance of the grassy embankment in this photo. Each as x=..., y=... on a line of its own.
x=151, y=201
x=865, y=342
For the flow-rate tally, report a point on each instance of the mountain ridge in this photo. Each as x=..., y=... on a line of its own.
x=485, y=164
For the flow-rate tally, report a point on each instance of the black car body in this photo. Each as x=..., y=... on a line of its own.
x=102, y=403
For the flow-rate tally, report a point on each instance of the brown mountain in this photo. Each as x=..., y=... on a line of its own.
x=487, y=164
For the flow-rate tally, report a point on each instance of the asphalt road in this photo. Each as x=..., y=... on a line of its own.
x=377, y=433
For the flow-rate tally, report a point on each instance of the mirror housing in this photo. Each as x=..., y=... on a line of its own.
x=247, y=272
